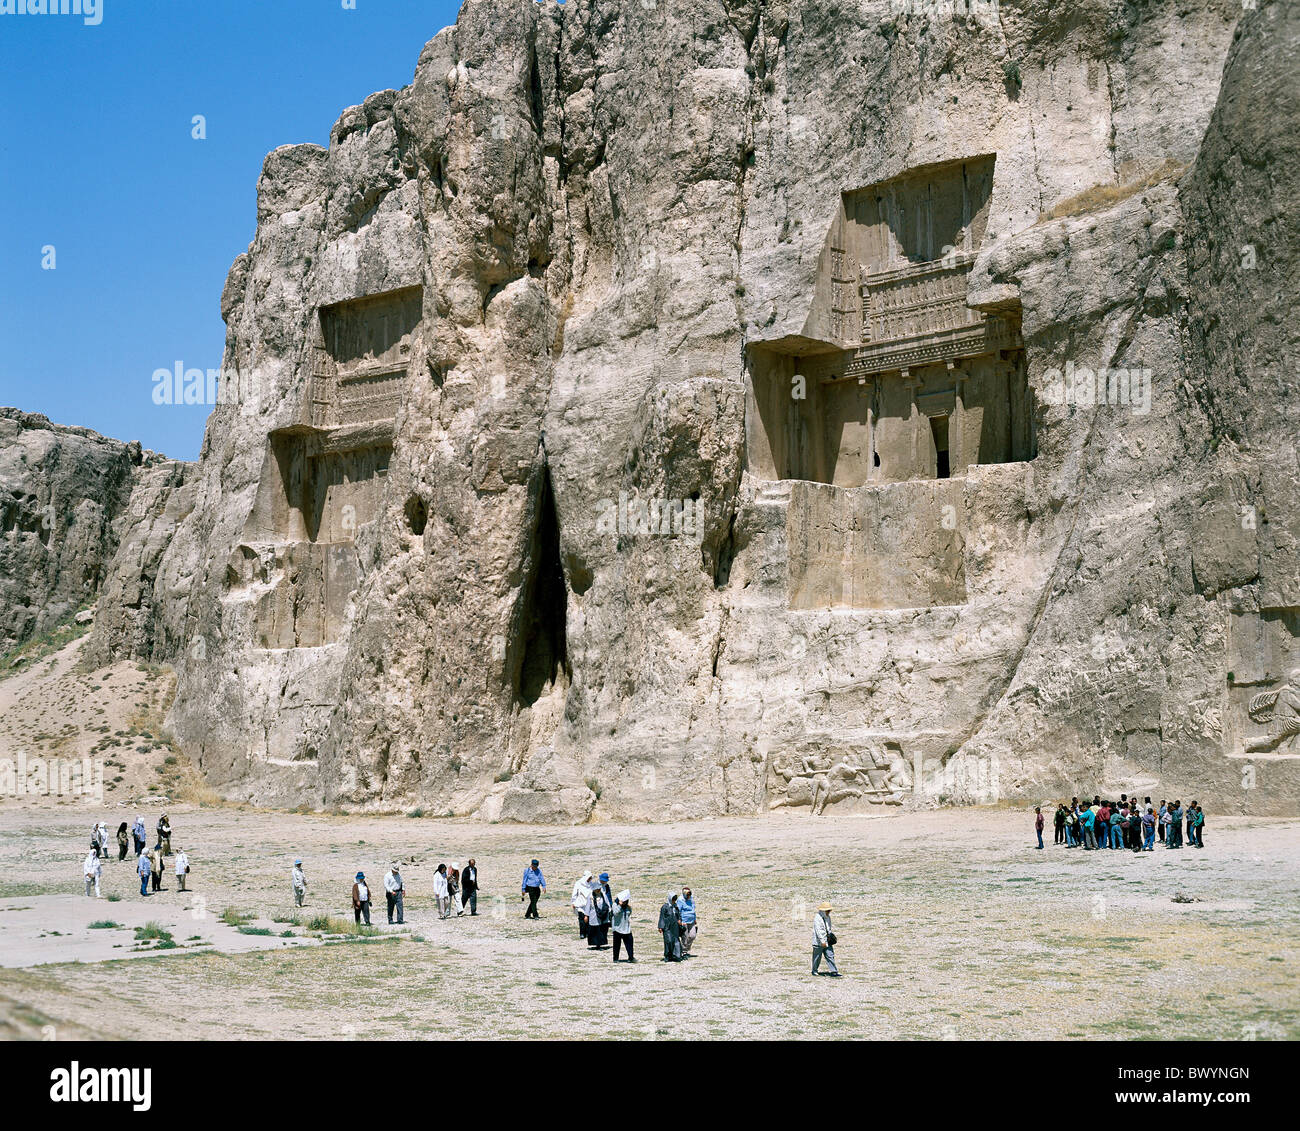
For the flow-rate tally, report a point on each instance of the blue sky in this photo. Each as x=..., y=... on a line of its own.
x=98, y=161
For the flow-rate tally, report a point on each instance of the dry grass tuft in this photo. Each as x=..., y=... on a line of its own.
x=1103, y=196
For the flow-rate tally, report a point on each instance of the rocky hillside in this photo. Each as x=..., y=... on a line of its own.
x=544, y=489
x=64, y=493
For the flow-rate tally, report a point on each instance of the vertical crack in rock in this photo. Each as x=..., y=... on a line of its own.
x=537, y=648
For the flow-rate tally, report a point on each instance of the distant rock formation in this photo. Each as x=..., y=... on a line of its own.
x=64, y=493
x=662, y=411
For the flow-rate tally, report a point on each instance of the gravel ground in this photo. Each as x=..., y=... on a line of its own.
x=951, y=925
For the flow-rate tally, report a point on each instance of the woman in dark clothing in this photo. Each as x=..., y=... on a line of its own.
x=121, y=841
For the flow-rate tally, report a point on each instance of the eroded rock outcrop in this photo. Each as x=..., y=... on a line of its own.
x=62, y=492
x=665, y=411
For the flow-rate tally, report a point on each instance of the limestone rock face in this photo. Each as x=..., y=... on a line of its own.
x=61, y=492
x=661, y=411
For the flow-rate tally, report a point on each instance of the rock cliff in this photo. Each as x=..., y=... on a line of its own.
x=675, y=410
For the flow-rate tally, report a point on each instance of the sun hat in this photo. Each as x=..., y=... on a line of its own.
x=361, y=875
x=624, y=896
x=824, y=907
x=297, y=861
x=535, y=863
x=604, y=877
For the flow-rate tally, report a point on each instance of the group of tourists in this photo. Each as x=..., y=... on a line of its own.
x=454, y=890
x=150, y=862
x=1125, y=823
x=602, y=914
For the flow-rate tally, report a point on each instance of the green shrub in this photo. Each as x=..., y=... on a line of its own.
x=152, y=930
x=103, y=925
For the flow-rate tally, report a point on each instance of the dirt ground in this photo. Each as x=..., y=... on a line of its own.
x=951, y=925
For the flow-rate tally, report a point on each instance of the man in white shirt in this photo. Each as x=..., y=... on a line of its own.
x=824, y=941
x=93, y=870
x=393, y=889
x=299, y=883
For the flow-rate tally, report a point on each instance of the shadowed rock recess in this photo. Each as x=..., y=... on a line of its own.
x=665, y=411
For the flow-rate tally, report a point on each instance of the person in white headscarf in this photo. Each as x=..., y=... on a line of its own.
x=440, y=892
x=581, y=893
x=598, y=912
x=182, y=868
x=621, y=924
x=92, y=870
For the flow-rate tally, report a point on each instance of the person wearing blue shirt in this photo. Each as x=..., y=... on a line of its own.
x=1088, y=818
x=533, y=886
x=690, y=928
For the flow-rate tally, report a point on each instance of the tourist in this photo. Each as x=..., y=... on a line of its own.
x=441, y=892
x=1071, y=829
x=581, y=895
x=1163, y=823
x=621, y=924
x=165, y=834
x=453, y=888
x=1148, y=830
x=599, y=913
x=122, y=836
x=469, y=887
x=1088, y=819
x=1176, y=824
x=1198, y=823
x=157, y=863
x=92, y=871
x=140, y=836
x=1102, y=825
x=142, y=866
x=99, y=839
x=299, y=879
x=361, y=899
x=182, y=868
x=533, y=886
x=608, y=893
x=1038, y=823
x=824, y=941
x=1058, y=824
x=393, y=892
x=1117, y=817
x=670, y=926
x=690, y=924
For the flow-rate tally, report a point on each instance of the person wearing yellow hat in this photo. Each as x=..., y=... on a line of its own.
x=824, y=941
